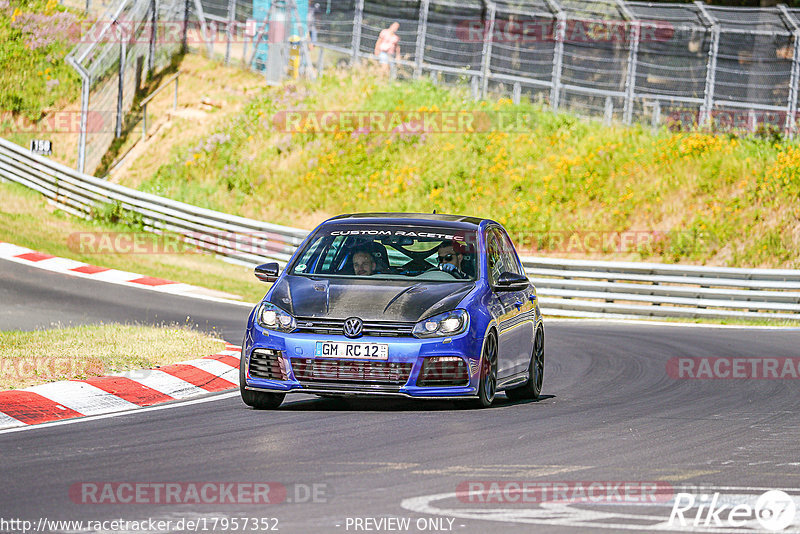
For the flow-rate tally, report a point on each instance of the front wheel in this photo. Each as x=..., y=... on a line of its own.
x=533, y=387
x=488, y=380
x=260, y=400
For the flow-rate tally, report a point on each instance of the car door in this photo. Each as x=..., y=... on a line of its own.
x=511, y=333
x=520, y=308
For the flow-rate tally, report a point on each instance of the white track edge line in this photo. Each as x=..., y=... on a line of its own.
x=187, y=293
x=210, y=398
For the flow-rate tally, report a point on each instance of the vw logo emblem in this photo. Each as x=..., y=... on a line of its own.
x=352, y=327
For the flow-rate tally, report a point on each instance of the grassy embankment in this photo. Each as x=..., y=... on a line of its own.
x=561, y=175
x=27, y=220
x=28, y=358
x=711, y=199
x=36, y=81
x=38, y=93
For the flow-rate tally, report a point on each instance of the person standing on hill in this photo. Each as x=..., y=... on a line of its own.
x=387, y=47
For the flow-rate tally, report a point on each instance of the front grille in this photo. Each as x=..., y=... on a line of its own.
x=314, y=325
x=267, y=363
x=443, y=371
x=362, y=372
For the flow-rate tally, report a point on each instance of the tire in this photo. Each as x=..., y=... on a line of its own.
x=487, y=387
x=259, y=400
x=533, y=387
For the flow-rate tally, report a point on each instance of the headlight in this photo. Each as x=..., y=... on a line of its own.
x=445, y=324
x=274, y=318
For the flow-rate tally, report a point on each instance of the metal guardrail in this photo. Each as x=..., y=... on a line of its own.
x=566, y=287
x=578, y=287
x=238, y=238
x=151, y=96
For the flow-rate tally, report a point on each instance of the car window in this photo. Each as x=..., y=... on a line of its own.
x=494, y=255
x=397, y=251
x=510, y=259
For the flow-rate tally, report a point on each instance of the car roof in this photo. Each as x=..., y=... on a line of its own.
x=429, y=219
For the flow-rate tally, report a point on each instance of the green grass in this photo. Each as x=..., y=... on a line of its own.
x=788, y=323
x=36, y=36
x=27, y=220
x=29, y=358
x=715, y=199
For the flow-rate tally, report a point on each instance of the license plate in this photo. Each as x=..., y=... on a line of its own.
x=344, y=349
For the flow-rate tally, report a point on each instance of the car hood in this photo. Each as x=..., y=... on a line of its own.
x=370, y=300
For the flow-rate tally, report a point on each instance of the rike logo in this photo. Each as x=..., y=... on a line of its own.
x=774, y=511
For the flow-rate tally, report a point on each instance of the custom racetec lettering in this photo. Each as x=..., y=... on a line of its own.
x=400, y=233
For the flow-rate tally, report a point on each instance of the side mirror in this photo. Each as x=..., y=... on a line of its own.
x=509, y=281
x=267, y=272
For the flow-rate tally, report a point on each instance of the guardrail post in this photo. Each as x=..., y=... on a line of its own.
x=201, y=17
x=144, y=122
x=711, y=65
x=790, y=125
x=516, y=94
x=320, y=60
x=357, y=21
x=151, y=53
x=422, y=29
x=231, y=29
x=791, y=113
x=633, y=57
x=608, y=111
x=85, y=83
x=558, y=58
x=186, y=12
x=656, y=118
x=486, y=59
x=120, y=83
x=752, y=120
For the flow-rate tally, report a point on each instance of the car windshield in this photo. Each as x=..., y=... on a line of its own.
x=390, y=252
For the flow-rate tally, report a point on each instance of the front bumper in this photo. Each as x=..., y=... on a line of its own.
x=397, y=376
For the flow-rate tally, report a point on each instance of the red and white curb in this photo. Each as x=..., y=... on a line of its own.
x=120, y=392
x=26, y=256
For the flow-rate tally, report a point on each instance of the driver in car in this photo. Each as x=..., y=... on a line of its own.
x=363, y=263
x=450, y=257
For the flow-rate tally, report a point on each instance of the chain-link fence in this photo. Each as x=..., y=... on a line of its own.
x=132, y=40
x=683, y=64
x=678, y=64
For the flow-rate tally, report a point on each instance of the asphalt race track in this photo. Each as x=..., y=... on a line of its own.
x=610, y=412
x=32, y=298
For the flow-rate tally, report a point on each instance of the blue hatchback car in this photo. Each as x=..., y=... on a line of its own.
x=394, y=304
